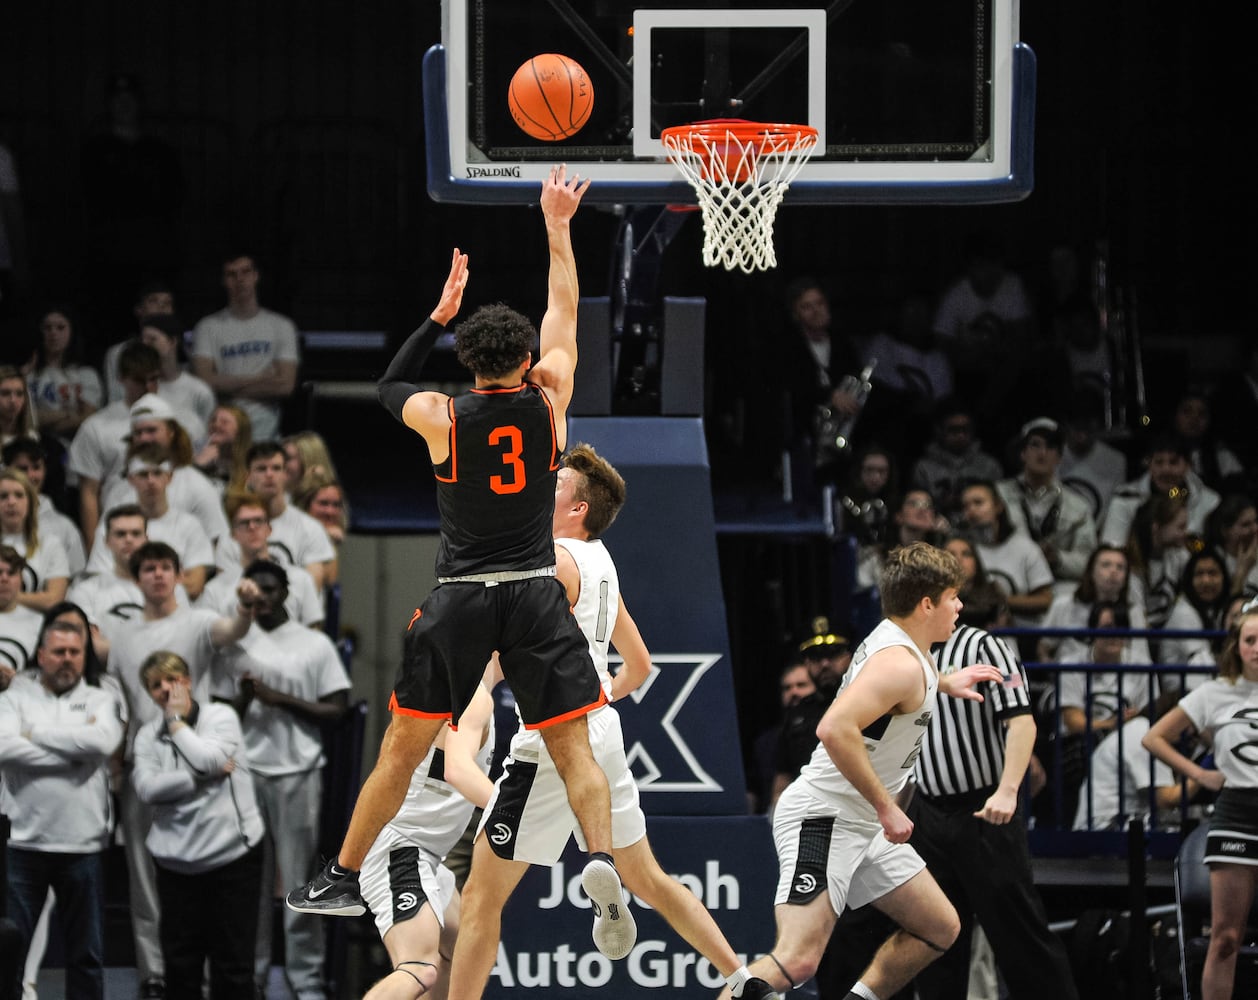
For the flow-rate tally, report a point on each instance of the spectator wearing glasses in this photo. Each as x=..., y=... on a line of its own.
x=251, y=530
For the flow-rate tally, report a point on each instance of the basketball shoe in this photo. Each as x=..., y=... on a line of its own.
x=333, y=892
x=614, y=928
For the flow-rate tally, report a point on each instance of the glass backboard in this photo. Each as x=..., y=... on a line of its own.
x=913, y=102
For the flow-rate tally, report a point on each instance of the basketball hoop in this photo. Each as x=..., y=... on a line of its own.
x=740, y=171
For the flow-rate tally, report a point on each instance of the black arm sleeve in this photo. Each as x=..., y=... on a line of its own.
x=397, y=384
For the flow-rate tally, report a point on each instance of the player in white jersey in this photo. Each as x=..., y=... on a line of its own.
x=403, y=881
x=840, y=835
x=528, y=820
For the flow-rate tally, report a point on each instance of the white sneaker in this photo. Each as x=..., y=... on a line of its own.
x=614, y=928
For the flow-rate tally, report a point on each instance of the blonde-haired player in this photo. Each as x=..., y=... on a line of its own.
x=529, y=821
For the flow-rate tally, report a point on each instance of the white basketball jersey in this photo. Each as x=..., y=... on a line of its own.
x=893, y=742
x=434, y=815
x=598, y=602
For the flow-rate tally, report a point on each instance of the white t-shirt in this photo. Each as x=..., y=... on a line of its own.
x=1137, y=688
x=48, y=562
x=961, y=305
x=298, y=661
x=1228, y=711
x=99, y=446
x=190, y=490
x=53, y=522
x=297, y=539
x=193, y=401
x=186, y=632
x=248, y=347
x=1141, y=771
x=63, y=389
x=177, y=528
x=19, y=632
x=304, y=604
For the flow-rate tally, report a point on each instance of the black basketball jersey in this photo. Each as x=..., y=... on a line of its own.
x=496, y=491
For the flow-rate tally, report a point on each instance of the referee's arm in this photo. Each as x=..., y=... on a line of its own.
x=1001, y=806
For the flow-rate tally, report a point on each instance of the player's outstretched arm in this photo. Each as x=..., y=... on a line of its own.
x=961, y=683
x=629, y=644
x=893, y=685
x=558, y=348
x=463, y=744
x=397, y=385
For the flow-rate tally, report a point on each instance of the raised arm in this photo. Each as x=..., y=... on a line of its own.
x=397, y=389
x=558, y=349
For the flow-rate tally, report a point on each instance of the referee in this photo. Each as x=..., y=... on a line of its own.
x=967, y=823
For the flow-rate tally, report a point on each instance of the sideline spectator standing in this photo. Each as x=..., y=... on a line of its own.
x=291, y=682
x=247, y=354
x=968, y=827
x=56, y=735
x=194, y=636
x=191, y=767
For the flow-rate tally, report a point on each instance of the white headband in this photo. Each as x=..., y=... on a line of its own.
x=139, y=465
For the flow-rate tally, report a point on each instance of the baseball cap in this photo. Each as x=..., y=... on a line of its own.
x=151, y=406
x=1045, y=427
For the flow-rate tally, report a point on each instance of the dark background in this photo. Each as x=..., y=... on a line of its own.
x=299, y=131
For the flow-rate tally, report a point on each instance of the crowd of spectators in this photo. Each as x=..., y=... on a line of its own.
x=157, y=564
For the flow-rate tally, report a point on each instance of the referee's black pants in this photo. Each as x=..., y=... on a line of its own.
x=985, y=870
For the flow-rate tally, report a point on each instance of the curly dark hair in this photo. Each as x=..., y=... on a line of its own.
x=493, y=341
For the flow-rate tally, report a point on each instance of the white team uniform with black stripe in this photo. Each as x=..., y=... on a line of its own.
x=1230, y=712
x=403, y=869
x=528, y=818
x=965, y=747
x=826, y=834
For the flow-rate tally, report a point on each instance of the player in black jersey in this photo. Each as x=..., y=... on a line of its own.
x=495, y=454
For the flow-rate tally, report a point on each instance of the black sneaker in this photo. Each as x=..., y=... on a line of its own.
x=758, y=989
x=614, y=928
x=153, y=989
x=332, y=892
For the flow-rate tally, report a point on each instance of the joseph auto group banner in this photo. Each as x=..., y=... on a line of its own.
x=729, y=864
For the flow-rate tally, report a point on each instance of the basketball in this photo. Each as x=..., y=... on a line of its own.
x=550, y=97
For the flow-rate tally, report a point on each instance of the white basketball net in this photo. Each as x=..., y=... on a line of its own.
x=740, y=173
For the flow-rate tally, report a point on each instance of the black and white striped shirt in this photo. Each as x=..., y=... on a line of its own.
x=964, y=749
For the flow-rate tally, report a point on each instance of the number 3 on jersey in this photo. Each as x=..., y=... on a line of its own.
x=512, y=443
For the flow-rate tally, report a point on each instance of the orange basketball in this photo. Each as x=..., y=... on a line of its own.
x=550, y=97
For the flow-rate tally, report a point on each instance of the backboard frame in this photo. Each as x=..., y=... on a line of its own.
x=457, y=175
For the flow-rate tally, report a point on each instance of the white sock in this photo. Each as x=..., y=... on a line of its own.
x=737, y=979
x=864, y=992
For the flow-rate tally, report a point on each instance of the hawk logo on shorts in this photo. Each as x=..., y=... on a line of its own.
x=806, y=884
x=406, y=901
x=501, y=835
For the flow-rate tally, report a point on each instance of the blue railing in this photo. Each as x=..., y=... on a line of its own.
x=1056, y=836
